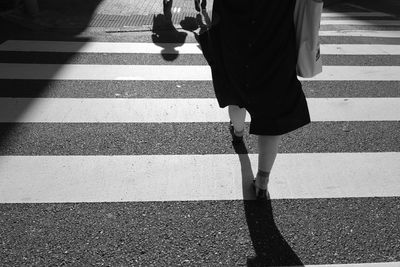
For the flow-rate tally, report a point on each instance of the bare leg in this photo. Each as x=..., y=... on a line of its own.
x=268, y=148
x=237, y=116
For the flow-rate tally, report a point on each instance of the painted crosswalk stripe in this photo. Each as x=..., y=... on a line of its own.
x=60, y=179
x=153, y=110
x=354, y=14
x=360, y=49
x=356, y=22
x=375, y=264
x=361, y=33
x=37, y=179
x=173, y=72
x=173, y=48
x=100, y=47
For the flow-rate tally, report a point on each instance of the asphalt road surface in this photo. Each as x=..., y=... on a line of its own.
x=113, y=152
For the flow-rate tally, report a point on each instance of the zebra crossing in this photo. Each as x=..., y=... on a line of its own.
x=186, y=48
x=156, y=110
x=67, y=155
x=105, y=177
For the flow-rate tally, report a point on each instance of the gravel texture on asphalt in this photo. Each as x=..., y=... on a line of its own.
x=203, y=233
x=188, y=138
x=179, y=89
x=206, y=233
x=163, y=59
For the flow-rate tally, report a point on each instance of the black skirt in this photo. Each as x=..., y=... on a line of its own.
x=252, y=54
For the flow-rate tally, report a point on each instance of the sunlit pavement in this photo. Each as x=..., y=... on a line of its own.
x=113, y=150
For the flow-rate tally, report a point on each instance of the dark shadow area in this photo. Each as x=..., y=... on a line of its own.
x=391, y=7
x=201, y=22
x=168, y=37
x=269, y=245
x=49, y=24
x=165, y=34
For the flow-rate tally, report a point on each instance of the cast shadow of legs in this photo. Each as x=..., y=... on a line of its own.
x=165, y=34
x=269, y=245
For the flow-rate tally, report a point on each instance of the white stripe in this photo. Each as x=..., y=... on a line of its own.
x=358, y=73
x=173, y=72
x=354, y=14
x=361, y=33
x=376, y=264
x=48, y=179
x=169, y=48
x=103, y=110
x=361, y=22
x=100, y=47
x=360, y=49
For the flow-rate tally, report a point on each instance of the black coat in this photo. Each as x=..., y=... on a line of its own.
x=252, y=54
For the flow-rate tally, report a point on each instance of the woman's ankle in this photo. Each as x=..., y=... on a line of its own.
x=238, y=133
x=262, y=179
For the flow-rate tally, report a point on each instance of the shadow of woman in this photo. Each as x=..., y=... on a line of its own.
x=166, y=35
x=269, y=245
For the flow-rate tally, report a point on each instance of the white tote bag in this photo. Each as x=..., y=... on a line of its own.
x=307, y=20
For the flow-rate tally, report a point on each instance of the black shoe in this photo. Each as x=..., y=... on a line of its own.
x=237, y=137
x=237, y=141
x=261, y=194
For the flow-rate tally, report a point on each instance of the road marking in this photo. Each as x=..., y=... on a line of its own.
x=354, y=14
x=360, y=49
x=173, y=72
x=376, y=264
x=167, y=110
x=172, y=48
x=357, y=73
x=361, y=22
x=100, y=47
x=49, y=179
x=361, y=33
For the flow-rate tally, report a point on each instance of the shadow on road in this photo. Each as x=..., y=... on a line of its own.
x=269, y=245
x=166, y=35
x=390, y=7
x=18, y=26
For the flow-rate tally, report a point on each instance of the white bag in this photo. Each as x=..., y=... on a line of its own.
x=307, y=20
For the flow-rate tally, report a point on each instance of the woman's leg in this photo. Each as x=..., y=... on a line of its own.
x=268, y=148
x=237, y=116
